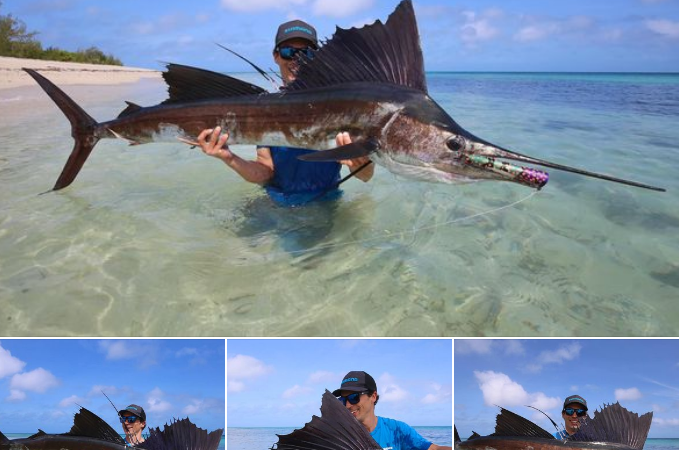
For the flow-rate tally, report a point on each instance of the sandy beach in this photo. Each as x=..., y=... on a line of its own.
x=66, y=73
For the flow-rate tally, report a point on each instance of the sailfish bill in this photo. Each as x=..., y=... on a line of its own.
x=369, y=82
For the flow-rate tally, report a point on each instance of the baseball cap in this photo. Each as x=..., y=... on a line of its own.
x=136, y=410
x=575, y=399
x=296, y=29
x=356, y=381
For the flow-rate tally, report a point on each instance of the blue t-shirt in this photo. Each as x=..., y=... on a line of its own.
x=297, y=182
x=561, y=434
x=392, y=434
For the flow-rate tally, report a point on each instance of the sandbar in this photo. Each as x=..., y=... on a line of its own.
x=68, y=73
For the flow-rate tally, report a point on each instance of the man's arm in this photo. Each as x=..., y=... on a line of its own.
x=259, y=171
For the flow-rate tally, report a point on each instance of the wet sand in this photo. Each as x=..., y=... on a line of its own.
x=67, y=73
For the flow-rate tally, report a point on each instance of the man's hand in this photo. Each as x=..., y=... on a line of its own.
x=353, y=164
x=214, y=144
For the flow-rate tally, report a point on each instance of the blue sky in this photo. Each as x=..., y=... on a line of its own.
x=643, y=375
x=479, y=35
x=42, y=382
x=280, y=382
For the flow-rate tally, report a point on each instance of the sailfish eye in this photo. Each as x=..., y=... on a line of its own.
x=456, y=143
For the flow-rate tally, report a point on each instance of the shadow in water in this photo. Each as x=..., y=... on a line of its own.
x=296, y=229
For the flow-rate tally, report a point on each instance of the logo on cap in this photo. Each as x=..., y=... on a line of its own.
x=346, y=380
x=302, y=29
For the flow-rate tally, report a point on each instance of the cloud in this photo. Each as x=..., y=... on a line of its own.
x=116, y=350
x=536, y=32
x=333, y=8
x=658, y=408
x=488, y=346
x=252, y=6
x=666, y=422
x=9, y=365
x=235, y=386
x=246, y=367
x=15, y=395
x=389, y=390
x=70, y=401
x=478, y=28
x=97, y=389
x=499, y=389
x=194, y=407
x=38, y=380
x=322, y=376
x=133, y=349
x=440, y=395
x=477, y=346
x=296, y=390
x=627, y=394
x=156, y=403
x=514, y=347
x=186, y=351
x=564, y=353
x=663, y=27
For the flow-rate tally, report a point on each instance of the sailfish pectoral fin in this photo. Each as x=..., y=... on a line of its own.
x=362, y=147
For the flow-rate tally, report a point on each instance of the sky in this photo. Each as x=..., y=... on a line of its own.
x=643, y=375
x=279, y=383
x=42, y=382
x=466, y=35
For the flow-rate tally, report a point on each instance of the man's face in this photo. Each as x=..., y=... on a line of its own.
x=364, y=409
x=573, y=421
x=132, y=428
x=289, y=67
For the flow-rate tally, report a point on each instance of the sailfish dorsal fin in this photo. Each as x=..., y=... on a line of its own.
x=381, y=52
x=614, y=423
x=508, y=423
x=186, y=83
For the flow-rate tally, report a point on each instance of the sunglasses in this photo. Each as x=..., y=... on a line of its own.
x=128, y=419
x=579, y=412
x=291, y=52
x=352, y=398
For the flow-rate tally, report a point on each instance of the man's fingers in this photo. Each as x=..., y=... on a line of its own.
x=215, y=135
x=203, y=134
x=343, y=138
x=222, y=140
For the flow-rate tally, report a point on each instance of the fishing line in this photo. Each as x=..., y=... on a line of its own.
x=411, y=231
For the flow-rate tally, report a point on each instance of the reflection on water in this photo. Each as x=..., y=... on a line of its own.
x=161, y=240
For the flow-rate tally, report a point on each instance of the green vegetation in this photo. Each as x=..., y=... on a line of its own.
x=17, y=42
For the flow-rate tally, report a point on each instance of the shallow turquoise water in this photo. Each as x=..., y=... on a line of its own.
x=161, y=240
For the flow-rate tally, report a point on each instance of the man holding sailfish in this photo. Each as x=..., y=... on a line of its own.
x=369, y=82
x=288, y=180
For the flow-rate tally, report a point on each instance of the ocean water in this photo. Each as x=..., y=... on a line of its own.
x=161, y=240
x=265, y=437
x=661, y=444
x=222, y=445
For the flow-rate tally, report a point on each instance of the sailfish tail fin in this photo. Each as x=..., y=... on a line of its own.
x=83, y=128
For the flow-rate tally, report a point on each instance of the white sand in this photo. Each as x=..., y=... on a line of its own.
x=64, y=73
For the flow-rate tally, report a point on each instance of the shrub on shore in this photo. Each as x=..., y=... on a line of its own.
x=16, y=42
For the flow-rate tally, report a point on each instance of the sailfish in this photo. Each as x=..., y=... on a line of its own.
x=368, y=81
